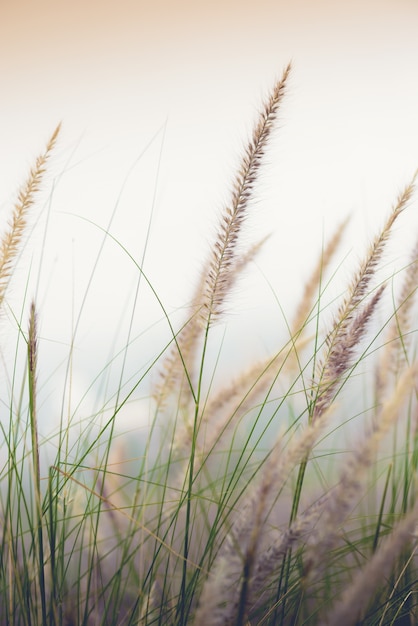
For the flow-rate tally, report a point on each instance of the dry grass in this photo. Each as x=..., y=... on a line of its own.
x=12, y=238
x=210, y=525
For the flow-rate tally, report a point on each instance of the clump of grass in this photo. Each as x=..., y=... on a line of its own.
x=208, y=525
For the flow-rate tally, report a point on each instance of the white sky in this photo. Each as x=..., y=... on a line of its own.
x=186, y=79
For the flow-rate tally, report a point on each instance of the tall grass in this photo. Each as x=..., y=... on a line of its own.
x=237, y=509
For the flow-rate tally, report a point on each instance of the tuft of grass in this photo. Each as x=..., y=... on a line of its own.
x=239, y=506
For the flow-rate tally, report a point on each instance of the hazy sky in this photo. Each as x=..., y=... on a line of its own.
x=168, y=91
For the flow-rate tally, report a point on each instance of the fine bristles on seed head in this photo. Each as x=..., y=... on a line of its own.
x=362, y=279
x=339, y=357
x=353, y=314
x=220, y=272
x=223, y=258
x=11, y=240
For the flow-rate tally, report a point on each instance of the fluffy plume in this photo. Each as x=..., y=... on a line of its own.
x=223, y=259
x=11, y=240
x=353, y=315
x=220, y=272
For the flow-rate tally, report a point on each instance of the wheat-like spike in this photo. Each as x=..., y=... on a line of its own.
x=362, y=279
x=220, y=272
x=349, y=609
x=9, y=246
x=340, y=354
x=352, y=475
x=350, y=324
x=223, y=256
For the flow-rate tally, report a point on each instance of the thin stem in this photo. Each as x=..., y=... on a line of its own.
x=32, y=361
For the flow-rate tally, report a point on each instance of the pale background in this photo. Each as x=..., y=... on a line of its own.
x=167, y=92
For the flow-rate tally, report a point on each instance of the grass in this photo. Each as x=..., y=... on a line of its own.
x=241, y=506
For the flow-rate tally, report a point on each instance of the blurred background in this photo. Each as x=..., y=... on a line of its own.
x=156, y=100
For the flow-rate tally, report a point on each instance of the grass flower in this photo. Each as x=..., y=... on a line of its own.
x=235, y=507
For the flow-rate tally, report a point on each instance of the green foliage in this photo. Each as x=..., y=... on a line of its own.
x=251, y=502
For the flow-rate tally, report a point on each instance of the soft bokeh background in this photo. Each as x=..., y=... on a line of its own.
x=156, y=100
